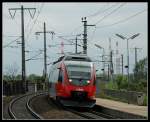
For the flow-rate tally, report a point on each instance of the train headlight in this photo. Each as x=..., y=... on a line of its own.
x=70, y=80
x=88, y=81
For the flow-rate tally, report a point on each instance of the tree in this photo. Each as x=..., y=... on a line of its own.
x=11, y=71
x=35, y=78
x=121, y=82
x=140, y=69
x=18, y=77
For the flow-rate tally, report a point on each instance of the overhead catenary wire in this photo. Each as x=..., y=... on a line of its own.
x=101, y=11
x=35, y=21
x=34, y=56
x=75, y=29
x=120, y=21
x=11, y=42
x=105, y=17
x=30, y=17
x=28, y=24
x=9, y=36
x=92, y=35
x=94, y=15
x=123, y=20
x=110, y=13
x=94, y=32
x=71, y=42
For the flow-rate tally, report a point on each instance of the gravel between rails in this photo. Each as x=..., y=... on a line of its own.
x=49, y=110
x=20, y=110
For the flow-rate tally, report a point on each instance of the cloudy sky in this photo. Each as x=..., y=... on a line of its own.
x=64, y=19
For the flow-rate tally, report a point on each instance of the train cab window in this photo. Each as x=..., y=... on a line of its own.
x=60, y=77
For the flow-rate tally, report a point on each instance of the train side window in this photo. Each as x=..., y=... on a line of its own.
x=60, y=77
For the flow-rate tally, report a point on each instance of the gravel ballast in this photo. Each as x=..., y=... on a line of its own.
x=48, y=110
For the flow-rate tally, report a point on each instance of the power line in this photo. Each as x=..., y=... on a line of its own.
x=9, y=36
x=96, y=13
x=75, y=29
x=100, y=12
x=123, y=20
x=11, y=42
x=71, y=42
x=35, y=21
x=33, y=24
x=110, y=13
x=92, y=35
x=28, y=24
x=33, y=57
x=107, y=16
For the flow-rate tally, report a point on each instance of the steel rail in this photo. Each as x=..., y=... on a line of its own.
x=11, y=105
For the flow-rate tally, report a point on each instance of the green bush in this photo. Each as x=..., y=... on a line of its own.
x=138, y=85
x=112, y=85
x=145, y=100
x=101, y=86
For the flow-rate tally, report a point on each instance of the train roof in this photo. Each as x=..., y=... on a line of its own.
x=74, y=57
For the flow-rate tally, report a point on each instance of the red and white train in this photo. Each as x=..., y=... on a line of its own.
x=72, y=81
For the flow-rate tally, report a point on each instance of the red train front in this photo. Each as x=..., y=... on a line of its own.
x=72, y=81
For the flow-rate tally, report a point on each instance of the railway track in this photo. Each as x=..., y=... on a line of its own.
x=19, y=108
x=84, y=112
x=90, y=113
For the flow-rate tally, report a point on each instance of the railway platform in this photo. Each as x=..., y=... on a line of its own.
x=124, y=107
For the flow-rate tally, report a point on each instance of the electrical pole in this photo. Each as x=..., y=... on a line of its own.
x=108, y=72
x=76, y=43
x=23, y=40
x=85, y=35
x=111, y=65
x=136, y=58
x=23, y=48
x=76, y=46
x=136, y=54
x=122, y=63
x=45, y=61
x=45, y=55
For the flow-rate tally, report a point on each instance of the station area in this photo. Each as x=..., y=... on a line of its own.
x=121, y=106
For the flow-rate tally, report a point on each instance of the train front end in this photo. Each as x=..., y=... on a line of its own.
x=79, y=84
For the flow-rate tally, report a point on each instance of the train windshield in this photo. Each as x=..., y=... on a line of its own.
x=79, y=75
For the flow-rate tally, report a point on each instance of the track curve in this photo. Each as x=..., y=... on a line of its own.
x=19, y=108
